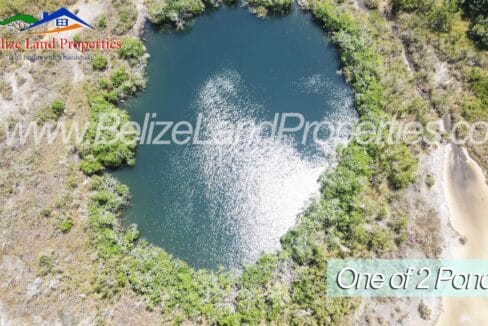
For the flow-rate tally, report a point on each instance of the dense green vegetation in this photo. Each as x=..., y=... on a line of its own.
x=440, y=14
x=126, y=13
x=477, y=11
x=174, y=12
x=66, y=225
x=107, y=149
x=178, y=12
x=264, y=8
x=51, y=112
x=463, y=93
x=104, y=146
x=132, y=49
x=99, y=62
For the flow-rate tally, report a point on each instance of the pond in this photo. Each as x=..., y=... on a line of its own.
x=222, y=203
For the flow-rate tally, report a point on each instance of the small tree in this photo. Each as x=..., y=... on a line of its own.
x=99, y=62
x=131, y=49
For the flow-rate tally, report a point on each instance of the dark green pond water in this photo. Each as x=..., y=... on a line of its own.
x=224, y=204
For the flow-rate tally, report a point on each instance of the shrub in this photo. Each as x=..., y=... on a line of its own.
x=119, y=76
x=6, y=90
x=401, y=166
x=475, y=8
x=57, y=107
x=440, y=19
x=174, y=12
x=66, y=225
x=126, y=16
x=89, y=165
x=113, y=147
x=411, y=5
x=131, y=49
x=99, y=62
x=479, y=32
x=478, y=79
x=131, y=234
x=102, y=21
x=267, y=7
x=52, y=112
x=371, y=4
x=45, y=265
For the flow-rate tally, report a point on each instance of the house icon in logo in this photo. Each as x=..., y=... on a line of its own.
x=59, y=21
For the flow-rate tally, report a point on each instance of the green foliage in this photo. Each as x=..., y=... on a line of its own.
x=477, y=11
x=102, y=21
x=479, y=31
x=45, y=265
x=270, y=7
x=52, y=112
x=474, y=107
x=132, y=49
x=119, y=77
x=410, y=5
x=334, y=18
x=371, y=4
x=57, y=107
x=440, y=19
x=110, y=140
x=475, y=8
x=478, y=79
x=126, y=15
x=99, y=62
x=66, y=225
x=401, y=166
x=175, y=12
x=166, y=282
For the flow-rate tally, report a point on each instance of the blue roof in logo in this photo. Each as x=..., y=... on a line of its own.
x=59, y=13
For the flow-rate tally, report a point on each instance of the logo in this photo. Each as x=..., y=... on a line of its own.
x=61, y=20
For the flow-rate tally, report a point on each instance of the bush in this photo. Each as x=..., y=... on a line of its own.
x=401, y=166
x=126, y=16
x=57, y=107
x=102, y=21
x=119, y=77
x=45, y=265
x=113, y=147
x=132, y=49
x=99, y=62
x=475, y=8
x=371, y=4
x=267, y=7
x=411, y=5
x=66, y=225
x=440, y=19
x=478, y=79
x=479, y=32
x=175, y=12
x=52, y=112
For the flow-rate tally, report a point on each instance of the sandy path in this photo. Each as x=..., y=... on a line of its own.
x=466, y=193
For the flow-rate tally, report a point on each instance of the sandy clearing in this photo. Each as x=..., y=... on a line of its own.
x=466, y=193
